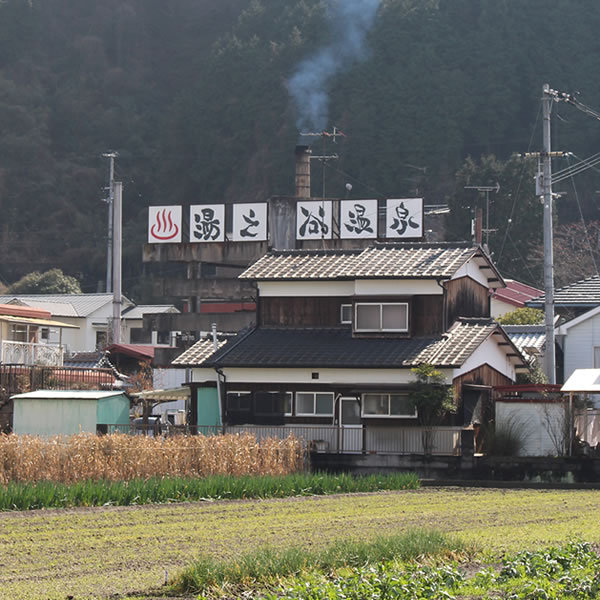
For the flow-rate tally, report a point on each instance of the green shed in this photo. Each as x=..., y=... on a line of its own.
x=65, y=412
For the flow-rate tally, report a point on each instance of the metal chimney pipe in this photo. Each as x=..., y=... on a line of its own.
x=303, y=171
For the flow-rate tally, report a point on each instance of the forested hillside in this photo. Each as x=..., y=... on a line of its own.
x=195, y=97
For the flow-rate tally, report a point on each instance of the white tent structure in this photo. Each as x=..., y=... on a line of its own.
x=581, y=381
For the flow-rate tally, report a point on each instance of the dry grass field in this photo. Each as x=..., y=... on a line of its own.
x=119, y=457
x=96, y=553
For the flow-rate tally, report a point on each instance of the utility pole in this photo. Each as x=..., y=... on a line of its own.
x=111, y=195
x=116, y=254
x=548, y=236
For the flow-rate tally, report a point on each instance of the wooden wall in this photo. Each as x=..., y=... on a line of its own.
x=483, y=375
x=425, y=312
x=315, y=311
x=466, y=298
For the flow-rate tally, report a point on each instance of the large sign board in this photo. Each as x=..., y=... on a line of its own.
x=249, y=222
x=358, y=219
x=313, y=220
x=207, y=223
x=164, y=224
x=404, y=218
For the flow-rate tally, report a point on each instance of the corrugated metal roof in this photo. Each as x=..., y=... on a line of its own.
x=516, y=293
x=38, y=322
x=526, y=337
x=82, y=304
x=66, y=394
x=583, y=380
x=378, y=261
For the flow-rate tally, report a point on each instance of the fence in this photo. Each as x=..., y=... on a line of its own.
x=443, y=441
x=16, y=379
x=27, y=353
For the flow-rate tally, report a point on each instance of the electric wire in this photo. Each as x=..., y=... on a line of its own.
x=525, y=263
x=587, y=237
x=512, y=210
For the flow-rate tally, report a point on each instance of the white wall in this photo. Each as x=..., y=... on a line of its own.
x=471, y=269
x=537, y=422
x=579, y=343
x=359, y=287
x=499, y=307
x=491, y=353
x=326, y=376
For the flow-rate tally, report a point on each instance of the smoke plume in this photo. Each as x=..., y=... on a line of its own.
x=350, y=21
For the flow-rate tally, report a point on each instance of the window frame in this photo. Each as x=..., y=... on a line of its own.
x=262, y=414
x=314, y=395
x=348, y=322
x=380, y=305
x=238, y=410
x=366, y=415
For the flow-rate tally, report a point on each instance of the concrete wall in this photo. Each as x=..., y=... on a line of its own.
x=540, y=424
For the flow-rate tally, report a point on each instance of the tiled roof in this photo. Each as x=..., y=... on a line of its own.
x=337, y=348
x=65, y=305
x=381, y=260
x=527, y=336
x=198, y=353
x=583, y=293
x=516, y=293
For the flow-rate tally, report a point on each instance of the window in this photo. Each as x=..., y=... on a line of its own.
x=273, y=403
x=101, y=340
x=346, y=314
x=383, y=316
x=239, y=401
x=314, y=403
x=388, y=405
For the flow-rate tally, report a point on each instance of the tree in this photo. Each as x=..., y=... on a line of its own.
x=53, y=281
x=522, y=316
x=433, y=400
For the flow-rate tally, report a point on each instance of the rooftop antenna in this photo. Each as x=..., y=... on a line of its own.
x=487, y=189
x=324, y=158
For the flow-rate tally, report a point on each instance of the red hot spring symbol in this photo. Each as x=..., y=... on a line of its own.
x=164, y=228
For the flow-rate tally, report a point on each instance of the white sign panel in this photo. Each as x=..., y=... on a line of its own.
x=207, y=223
x=404, y=218
x=313, y=220
x=358, y=219
x=164, y=224
x=249, y=222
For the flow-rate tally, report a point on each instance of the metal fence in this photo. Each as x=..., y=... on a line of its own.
x=17, y=378
x=443, y=441
x=28, y=353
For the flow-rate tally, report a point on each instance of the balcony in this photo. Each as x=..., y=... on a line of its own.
x=26, y=353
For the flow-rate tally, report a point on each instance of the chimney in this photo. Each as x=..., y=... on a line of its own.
x=303, y=171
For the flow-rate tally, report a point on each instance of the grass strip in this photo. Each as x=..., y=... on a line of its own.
x=567, y=572
x=268, y=564
x=47, y=494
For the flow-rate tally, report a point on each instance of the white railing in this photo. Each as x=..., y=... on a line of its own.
x=26, y=353
x=443, y=441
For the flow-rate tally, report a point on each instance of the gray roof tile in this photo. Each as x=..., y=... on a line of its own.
x=380, y=260
x=583, y=293
x=337, y=348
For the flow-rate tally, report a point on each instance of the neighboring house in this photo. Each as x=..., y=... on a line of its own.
x=133, y=324
x=511, y=297
x=578, y=337
x=25, y=336
x=337, y=335
x=530, y=340
x=90, y=314
x=580, y=341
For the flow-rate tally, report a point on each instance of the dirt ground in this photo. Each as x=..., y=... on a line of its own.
x=124, y=551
